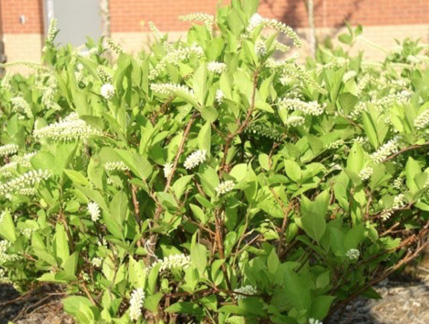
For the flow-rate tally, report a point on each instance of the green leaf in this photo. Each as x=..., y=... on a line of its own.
x=239, y=172
x=320, y=306
x=198, y=213
x=264, y=161
x=199, y=257
x=185, y=308
x=199, y=83
x=70, y=265
x=313, y=214
x=204, y=137
x=151, y=302
x=210, y=114
x=137, y=163
x=273, y=262
x=296, y=290
x=370, y=128
x=77, y=177
x=179, y=186
x=293, y=170
x=209, y=180
x=347, y=102
x=412, y=168
x=7, y=227
x=61, y=245
x=118, y=214
x=355, y=160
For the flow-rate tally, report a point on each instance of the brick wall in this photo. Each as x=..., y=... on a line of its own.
x=127, y=15
x=11, y=11
x=22, y=41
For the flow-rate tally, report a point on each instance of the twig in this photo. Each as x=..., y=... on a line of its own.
x=409, y=148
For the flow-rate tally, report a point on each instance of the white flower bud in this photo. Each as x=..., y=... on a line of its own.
x=225, y=187
x=353, y=254
x=195, y=159
x=94, y=211
x=107, y=91
x=136, y=304
x=216, y=67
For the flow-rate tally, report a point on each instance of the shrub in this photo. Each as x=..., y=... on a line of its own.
x=207, y=181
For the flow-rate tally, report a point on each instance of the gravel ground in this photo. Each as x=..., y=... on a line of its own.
x=405, y=301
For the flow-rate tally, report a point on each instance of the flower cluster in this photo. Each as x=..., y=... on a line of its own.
x=26, y=180
x=260, y=48
x=384, y=151
x=256, y=20
x=296, y=72
x=366, y=173
x=170, y=88
x=358, y=109
x=168, y=168
x=225, y=187
x=195, y=159
x=20, y=105
x=97, y=262
x=94, y=211
x=107, y=91
x=48, y=98
x=422, y=120
x=27, y=192
x=349, y=75
x=295, y=121
x=3, y=277
x=24, y=160
x=366, y=79
x=398, y=201
x=265, y=131
x=154, y=30
x=207, y=19
x=8, y=149
x=175, y=261
x=6, y=256
x=280, y=46
x=52, y=32
x=353, y=254
x=114, y=47
x=314, y=321
x=387, y=101
x=27, y=232
x=216, y=67
x=104, y=75
x=308, y=108
x=397, y=183
x=68, y=129
x=335, y=144
x=219, y=96
x=242, y=292
x=175, y=57
x=136, y=304
x=7, y=169
x=115, y=166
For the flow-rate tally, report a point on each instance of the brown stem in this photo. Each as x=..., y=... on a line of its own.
x=159, y=208
x=409, y=148
x=219, y=244
x=179, y=152
x=244, y=124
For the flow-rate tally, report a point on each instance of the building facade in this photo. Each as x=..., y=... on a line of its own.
x=23, y=23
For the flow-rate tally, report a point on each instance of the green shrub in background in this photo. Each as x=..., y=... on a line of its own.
x=207, y=181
